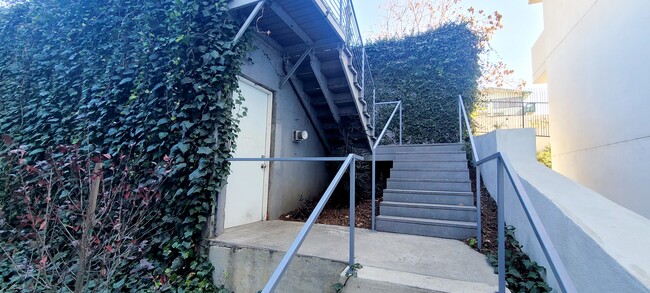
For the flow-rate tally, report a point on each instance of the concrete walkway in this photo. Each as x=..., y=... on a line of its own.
x=424, y=256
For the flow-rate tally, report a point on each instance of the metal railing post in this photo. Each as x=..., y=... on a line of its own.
x=374, y=175
x=400, y=122
x=374, y=159
x=282, y=267
x=460, y=121
x=363, y=71
x=501, y=228
x=479, y=236
x=352, y=214
x=374, y=112
x=523, y=115
x=341, y=12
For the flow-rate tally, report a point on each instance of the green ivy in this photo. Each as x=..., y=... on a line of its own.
x=522, y=273
x=427, y=72
x=155, y=78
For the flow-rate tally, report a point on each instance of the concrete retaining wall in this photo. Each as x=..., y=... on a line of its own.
x=603, y=245
x=242, y=269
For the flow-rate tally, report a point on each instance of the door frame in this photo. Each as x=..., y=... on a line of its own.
x=220, y=213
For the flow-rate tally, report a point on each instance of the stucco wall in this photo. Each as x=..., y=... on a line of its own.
x=602, y=244
x=597, y=67
x=289, y=181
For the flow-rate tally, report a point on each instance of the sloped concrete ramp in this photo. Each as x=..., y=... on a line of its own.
x=244, y=258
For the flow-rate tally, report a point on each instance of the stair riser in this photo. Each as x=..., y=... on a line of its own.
x=423, y=149
x=431, y=186
x=421, y=157
x=428, y=213
x=412, y=174
x=426, y=230
x=453, y=165
x=430, y=199
x=431, y=157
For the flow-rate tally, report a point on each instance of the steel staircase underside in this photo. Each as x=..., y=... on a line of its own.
x=318, y=66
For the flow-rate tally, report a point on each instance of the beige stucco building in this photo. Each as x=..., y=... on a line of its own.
x=595, y=57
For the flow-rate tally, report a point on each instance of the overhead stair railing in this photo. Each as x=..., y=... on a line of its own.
x=345, y=15
x=503, y=163
x=398, y=106
x=349, y=163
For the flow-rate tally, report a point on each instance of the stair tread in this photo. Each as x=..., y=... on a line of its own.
x=420, y=145
x=424, y=159
x=442, y=152
x=428, y=170
x=463, y=224
x=428, y=192
x=429, y=205
x=431, y=180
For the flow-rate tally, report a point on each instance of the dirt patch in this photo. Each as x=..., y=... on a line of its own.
x=488, y=216
x=488, y=222
x=339, y=214
x=334, y=215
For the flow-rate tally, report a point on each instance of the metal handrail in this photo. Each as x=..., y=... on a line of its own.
x=374, y=148
x=349, y=162
x=463, y=113
x=557, y=266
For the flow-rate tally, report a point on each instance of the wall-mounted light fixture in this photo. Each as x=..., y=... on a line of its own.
x=300, y=135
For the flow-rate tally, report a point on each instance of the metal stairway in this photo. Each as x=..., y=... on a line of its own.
x=428, y=193
x=324, y=62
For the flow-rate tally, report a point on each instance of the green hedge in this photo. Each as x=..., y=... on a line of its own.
x=427, y=72
x=153, y=79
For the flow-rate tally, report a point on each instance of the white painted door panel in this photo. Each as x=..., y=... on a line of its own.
x=246, y=191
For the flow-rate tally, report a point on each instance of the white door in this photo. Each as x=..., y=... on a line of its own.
x=246, y=191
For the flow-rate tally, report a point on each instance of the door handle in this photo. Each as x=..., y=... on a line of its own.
x=263, y=166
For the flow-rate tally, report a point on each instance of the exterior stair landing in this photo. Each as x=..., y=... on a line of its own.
x=428, y=192
x=244, y=258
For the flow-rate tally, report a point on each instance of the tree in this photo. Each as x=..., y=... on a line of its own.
x=404, y=18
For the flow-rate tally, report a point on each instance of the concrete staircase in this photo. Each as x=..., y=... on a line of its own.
x=428, y=192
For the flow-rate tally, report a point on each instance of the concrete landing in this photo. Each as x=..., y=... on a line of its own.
x=446, y=260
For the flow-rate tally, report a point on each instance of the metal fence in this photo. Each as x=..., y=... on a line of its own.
x=509, y=109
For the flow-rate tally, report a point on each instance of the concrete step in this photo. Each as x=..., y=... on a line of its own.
x=441, y=147
x=440, y=156
x=427, y=227
x=429, y=174
x=429, y=197
x=429, y=184
x=438, y=165
x=382, y=280
x=428, y=211
x=422, y=156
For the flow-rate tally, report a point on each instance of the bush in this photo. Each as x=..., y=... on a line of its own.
x=427, y=72
x=544, y=157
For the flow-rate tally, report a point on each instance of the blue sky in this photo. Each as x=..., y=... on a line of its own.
x=522, y=24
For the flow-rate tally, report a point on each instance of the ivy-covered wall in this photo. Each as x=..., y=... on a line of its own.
x=128, y=94
x=427, y=72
